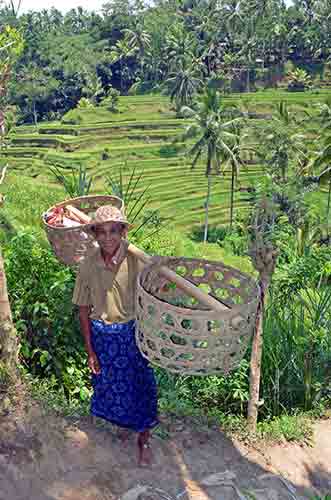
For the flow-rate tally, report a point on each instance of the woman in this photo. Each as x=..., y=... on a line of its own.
x=124, y=387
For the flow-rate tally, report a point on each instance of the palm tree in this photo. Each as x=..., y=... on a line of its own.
x=122, y=50
x=237, y=147
x=282, y=144
x=213, y=131
x=183, y=84
x=139, y=40
x=324, y=178
x=181, y=46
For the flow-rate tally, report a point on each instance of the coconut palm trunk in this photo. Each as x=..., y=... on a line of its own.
x=232, y=194
x=205, y=237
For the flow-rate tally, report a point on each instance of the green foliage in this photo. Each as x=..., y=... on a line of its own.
x=298, y=272
x=128, y=188
x=169, y=150
x=289, y=427
x=73, y=117
x=11, y=47
x=206, y=394
x=111, y=101
x=183, y=85
x=215, y=132
x=234, y=241
x=297, y=349
x=11, y=44
x=215, y=233
x=86, y=53
x=75, y=184
x=41, y=288
x=84, y=103
x=53, y=398
x=298, y=80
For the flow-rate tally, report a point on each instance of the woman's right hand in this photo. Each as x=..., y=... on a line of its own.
x=93, y=363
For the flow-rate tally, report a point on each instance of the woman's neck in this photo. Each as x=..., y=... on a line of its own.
x=108, y=256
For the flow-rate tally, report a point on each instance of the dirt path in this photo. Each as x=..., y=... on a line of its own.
x=48, y=458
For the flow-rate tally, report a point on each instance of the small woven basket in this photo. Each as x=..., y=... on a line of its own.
x=178, y=333
x=73, y=244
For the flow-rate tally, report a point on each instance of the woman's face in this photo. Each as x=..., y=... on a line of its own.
x=109, y=236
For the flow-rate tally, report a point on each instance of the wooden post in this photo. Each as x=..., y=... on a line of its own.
x=264, y=258
x=255, y=365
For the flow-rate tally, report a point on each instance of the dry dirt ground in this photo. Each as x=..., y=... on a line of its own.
x=46, y=457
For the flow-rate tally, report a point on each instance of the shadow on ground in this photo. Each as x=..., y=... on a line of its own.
x=46, y=457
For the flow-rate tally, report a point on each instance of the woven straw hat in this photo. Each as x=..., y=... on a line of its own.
x=109, y=213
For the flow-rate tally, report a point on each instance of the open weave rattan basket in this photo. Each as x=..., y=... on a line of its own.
x=176, y=332
x=72, y=244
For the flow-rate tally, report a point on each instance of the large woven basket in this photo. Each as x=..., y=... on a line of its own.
x=179, y=334
x=72, y=244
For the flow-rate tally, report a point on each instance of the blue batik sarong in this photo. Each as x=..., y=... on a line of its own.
x=125, y=391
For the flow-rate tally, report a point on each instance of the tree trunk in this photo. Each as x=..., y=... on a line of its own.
x=121, y=78
x=8, y=339
x=232, y=197
x=207, y=209
x=255, y=365
x=35, y=119
x=328, y=210
x=248, y=80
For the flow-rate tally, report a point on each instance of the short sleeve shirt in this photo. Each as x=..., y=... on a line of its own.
x=110, y=294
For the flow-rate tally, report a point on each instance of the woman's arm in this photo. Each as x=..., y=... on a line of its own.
x=85, y=327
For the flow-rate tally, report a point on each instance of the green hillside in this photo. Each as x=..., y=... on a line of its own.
x=141, y=136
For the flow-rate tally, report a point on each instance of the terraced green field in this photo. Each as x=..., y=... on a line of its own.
x=140, y=136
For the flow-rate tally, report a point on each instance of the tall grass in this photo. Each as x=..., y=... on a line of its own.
x=297, y=350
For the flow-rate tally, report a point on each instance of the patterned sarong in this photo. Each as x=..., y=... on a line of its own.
x=125, y=391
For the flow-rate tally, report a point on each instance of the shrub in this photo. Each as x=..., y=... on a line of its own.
x=84, y=103
x=169, y=150
x=105, y=154
x=215, y=233
x=41, y=289
x=111, y=101
x=299, y=80
x=73, y=117
x=297, y=350
x=208, y=394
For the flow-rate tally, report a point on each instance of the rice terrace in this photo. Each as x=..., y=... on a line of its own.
x=144, y=135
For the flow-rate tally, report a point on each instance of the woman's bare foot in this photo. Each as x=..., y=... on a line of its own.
x=144, y=449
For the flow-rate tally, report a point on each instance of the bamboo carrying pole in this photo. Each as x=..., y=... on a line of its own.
x=182, y=283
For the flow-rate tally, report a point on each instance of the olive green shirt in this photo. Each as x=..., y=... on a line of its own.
x=110, y=294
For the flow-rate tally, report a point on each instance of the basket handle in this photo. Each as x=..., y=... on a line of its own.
x=182, y=283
